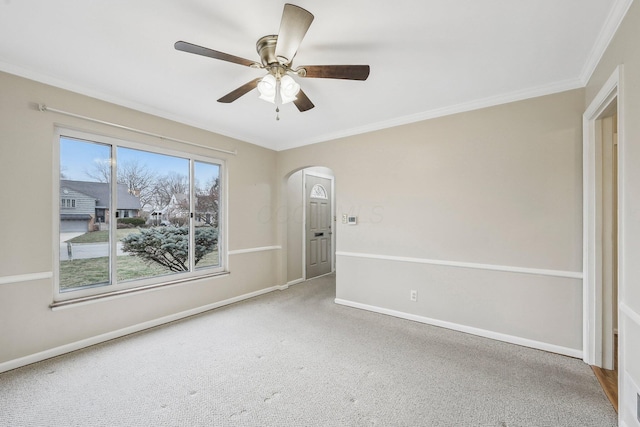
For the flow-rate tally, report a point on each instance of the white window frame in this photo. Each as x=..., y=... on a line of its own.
x=118, y=288
x=67, y=203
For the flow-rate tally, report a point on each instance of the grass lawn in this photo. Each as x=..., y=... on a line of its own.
x=92, y=271
x=103, y=236
x=209, y=260
x=80, y=272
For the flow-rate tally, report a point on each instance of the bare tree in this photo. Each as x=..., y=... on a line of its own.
x=208, y=201
x=168, y=185
x=137, y=176
x=100, y=171
x=139, y=180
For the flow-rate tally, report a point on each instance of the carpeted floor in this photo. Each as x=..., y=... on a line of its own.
x=294, y=358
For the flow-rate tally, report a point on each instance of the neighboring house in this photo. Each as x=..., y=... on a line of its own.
x=83, y=204
x=178, y=205
x=178, y=208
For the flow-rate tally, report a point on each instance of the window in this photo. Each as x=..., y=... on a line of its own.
x=68, y=203
x=318, y=192
x=139, y=216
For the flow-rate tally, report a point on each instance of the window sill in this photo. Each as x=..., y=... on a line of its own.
x=59, y=305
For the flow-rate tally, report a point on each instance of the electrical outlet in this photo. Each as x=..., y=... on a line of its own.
x=414, y=295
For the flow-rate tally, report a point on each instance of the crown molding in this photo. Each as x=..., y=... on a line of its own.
x=608, y=31
x=491, y=101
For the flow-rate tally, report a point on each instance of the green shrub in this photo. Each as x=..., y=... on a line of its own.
x=136, y=222
x=169, y=246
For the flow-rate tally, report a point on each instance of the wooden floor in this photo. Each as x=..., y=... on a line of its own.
x=609, y=379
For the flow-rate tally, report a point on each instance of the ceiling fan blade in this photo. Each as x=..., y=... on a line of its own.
x=242, y=90
x=347, y=72
x=293, y=27
x=303, y=102
x=199, y=50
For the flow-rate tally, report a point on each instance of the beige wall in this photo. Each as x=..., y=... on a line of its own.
x=625, y=49
x=498, y=186
x=295, y=219
x=27, y=324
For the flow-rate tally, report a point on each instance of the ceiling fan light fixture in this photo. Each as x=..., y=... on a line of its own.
x=270, y=86
x=276, y=53
x=289, y=88
x=267, y=88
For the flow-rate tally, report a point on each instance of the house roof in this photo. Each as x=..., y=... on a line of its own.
x=100, y=192
x=427, y=58
x=181, y=197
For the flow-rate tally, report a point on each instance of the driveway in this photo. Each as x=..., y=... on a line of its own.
x=68, y=236
x=86, y=250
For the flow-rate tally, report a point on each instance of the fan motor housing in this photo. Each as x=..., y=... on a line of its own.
x=266, y=48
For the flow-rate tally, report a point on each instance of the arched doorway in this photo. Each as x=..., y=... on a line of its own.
x=310, y=224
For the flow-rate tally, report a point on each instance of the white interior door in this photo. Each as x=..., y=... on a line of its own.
x=318, y=223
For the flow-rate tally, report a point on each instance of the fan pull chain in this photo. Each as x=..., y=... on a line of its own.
x=277, y=98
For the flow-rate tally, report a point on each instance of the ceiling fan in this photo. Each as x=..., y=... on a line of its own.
x=276, y=56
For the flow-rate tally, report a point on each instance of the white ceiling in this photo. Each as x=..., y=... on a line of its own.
x=428, y=57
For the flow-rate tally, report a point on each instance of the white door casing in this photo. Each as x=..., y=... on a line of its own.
x=607, y=99
x=318, y=224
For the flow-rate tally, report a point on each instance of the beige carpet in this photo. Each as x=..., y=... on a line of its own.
x=294, y=358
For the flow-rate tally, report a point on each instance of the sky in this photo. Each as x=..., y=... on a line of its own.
x=78, y=157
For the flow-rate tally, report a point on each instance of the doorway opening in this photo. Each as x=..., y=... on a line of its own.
x=601, y=236
x=310, y=224
x=607, y=252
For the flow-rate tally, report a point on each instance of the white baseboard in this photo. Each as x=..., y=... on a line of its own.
x=67, y=348
x=295, y=282
x=467, y=329
x=300, y=280
x=291, y=283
